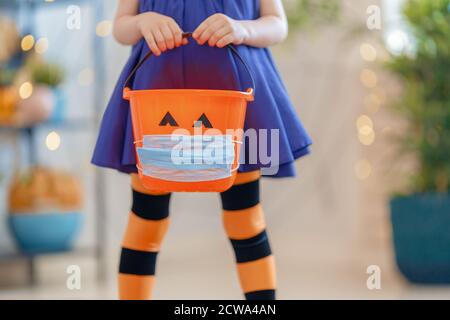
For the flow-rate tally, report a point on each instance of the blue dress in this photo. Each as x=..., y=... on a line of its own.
x=203, y=67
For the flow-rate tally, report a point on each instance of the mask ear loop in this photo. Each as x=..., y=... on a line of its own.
x=236, y=142
x=237, y=167
x=139, y=168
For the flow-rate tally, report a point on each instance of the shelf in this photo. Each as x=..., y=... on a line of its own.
x=24, y=11
x=76, y=124
x=9, y=255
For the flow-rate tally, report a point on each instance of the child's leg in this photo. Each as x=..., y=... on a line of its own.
x=147, y=225
x=244, y=224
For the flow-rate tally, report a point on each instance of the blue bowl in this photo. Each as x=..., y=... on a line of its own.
x=45, y=233
x=59, y=108
x=421, y=236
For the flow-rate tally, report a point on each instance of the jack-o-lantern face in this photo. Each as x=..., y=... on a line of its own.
x=169, y=120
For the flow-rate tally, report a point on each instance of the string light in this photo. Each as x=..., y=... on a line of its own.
x=398, y=42
x=27, y=43
x=41, y=46
x=26, y=90
x=366, y=133
x=369, y=78
x=363, y=169
x=368, y=52
x=366, y=136
x=104, y=28
x=53, y=141
x=86, y=77
x=363, y=121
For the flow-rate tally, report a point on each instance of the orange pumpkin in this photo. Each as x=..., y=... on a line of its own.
x=43, y=190
x=8, y=103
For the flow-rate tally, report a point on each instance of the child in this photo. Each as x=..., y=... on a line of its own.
x=157, y=25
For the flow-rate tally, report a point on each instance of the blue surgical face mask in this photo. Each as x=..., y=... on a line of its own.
x=186, y=158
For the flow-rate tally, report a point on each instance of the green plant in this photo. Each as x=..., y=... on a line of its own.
x=425, y=101
x=303, y=13
x=48, y=74
x=6, y=77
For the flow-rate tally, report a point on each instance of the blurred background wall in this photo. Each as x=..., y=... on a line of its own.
x=327, y=226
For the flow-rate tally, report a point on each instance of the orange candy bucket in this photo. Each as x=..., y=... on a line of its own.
x=163, y=112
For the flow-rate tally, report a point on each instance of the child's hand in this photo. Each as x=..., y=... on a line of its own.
x=220, y=30
x=161, y=32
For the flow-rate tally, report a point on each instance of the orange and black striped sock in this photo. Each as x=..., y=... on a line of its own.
x=244, y=224
x=147, y=225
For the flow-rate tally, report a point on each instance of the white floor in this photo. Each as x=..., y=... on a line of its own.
x=322, y=273
x=218, y=286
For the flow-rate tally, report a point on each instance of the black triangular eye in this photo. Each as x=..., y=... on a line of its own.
x=168, y=120
x=203, y=120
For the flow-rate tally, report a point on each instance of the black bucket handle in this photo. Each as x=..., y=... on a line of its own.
x=185, y=36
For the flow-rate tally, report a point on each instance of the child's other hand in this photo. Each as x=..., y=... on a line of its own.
x=161, y=32
x=220, y=30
